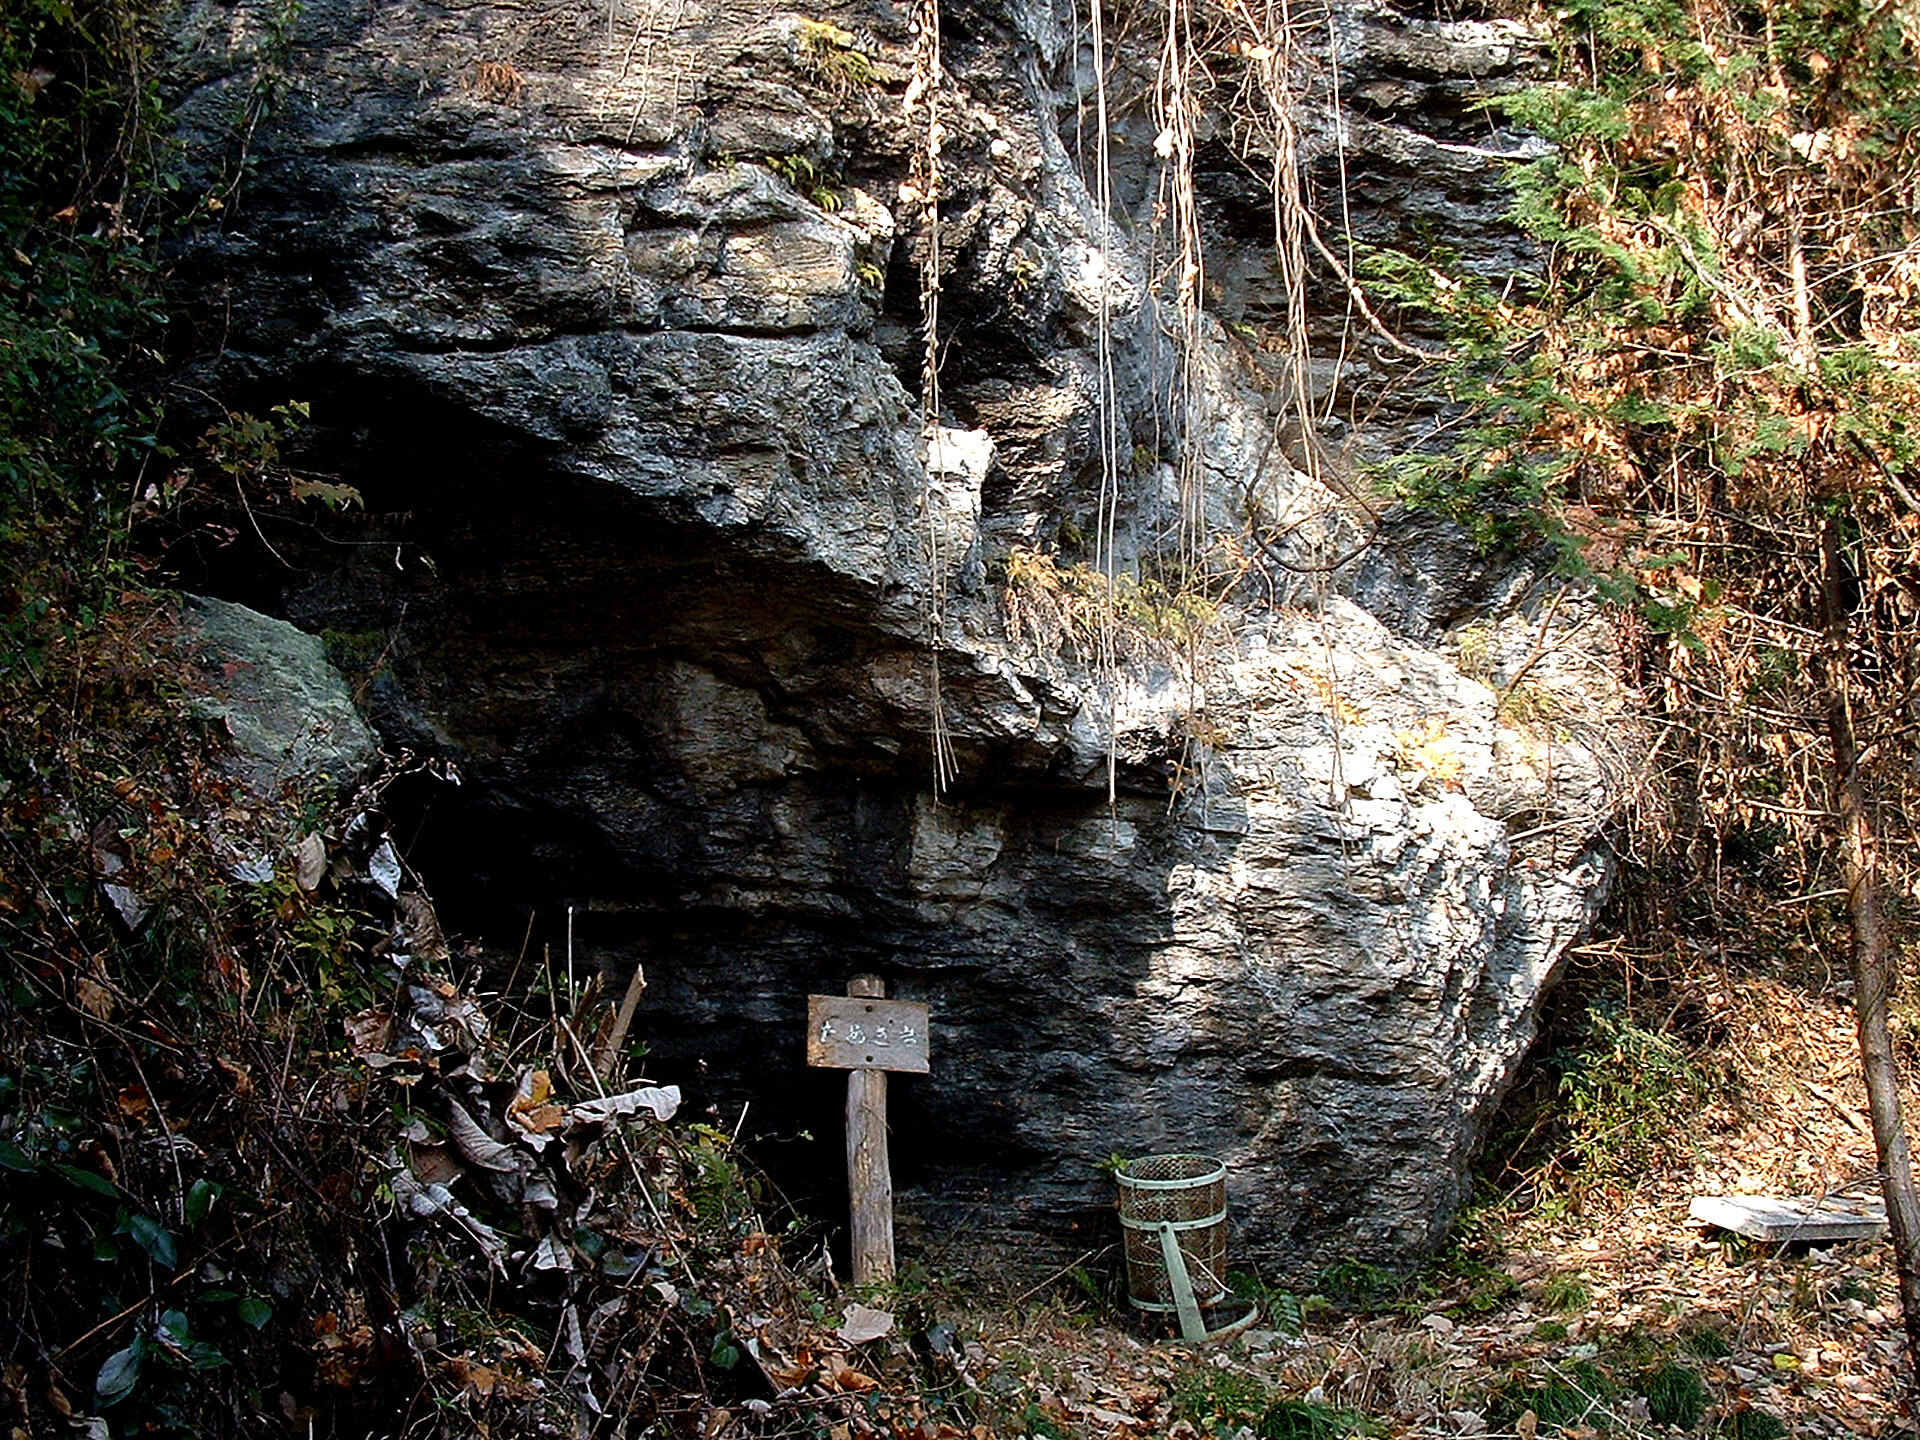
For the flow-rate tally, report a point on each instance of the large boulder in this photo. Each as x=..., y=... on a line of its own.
x=611, y=316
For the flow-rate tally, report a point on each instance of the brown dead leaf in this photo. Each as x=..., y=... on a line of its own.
x=432, y=1164
x=238, y=1077
x=475, y=1145
x=310, y=861
x=96, y=999
x=471, y=1374
x=863, y=1323
x=789, y=1373
x=853, y=1381
x=531, y=1108
x=1526, y=1426
x=424, y=936
x=370, y=1032
x=95, y=1154
x=134, y=1102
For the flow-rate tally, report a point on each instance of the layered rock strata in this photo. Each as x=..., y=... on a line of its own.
x=611, y=315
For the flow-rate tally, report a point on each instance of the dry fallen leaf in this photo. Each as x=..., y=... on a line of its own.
x=96, y=999
x=849, y=1379
x=432, y=1164
x=370, y=1032
x=660, y=1102
x=476, y=1377
x=310, y=862
x=531, y=1110
x=862, y=1323
x=475, y=1145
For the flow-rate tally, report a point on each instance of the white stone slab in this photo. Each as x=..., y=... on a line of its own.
x=1767, y=1217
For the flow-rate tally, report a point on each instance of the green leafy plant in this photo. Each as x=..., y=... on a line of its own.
x=1580, y=1393
x=1753, y=1424
x=1626, y=1093
x=833, y=57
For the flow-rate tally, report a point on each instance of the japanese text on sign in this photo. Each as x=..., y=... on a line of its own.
x=850, y=1033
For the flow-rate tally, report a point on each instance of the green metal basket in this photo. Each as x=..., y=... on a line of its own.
x=1173, y=1214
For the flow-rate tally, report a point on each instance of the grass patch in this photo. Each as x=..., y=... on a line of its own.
x=1571, y=1396
x=1206, y=1396
x=1753, y=1425
x=1676, y=1396
x=1308, y=1420
x=1564, y=1295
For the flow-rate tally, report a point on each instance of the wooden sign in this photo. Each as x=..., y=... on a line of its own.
x=851, y=1032
x=867, y=1035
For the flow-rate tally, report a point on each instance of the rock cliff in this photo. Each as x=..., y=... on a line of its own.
x=612, y=315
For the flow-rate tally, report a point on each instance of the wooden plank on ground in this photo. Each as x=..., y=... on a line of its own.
x=1768, y=1217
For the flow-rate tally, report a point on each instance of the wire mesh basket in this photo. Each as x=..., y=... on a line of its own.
x=1186, y=1194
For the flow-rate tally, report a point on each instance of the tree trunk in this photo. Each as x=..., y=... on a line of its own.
x=1870, y=959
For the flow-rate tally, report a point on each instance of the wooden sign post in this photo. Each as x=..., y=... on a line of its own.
x=868, y=1035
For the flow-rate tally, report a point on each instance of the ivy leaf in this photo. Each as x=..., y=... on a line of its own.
x=154, y=1238
x=200, y=1197
x=87, y=1180
x=174, y=1329
x=118, y=1375
x=12, y=1157
x=253, y=1311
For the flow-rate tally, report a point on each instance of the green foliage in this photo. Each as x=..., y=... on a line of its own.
x=135, y=1041
x=1565, y=1295
x=722, y=1193
x=802, y=174
x=1575, y=1394
x=1705, y=1341
x=1658, y=365
x=1750, y=1424
x=1359, y=1285
x=1280, y=1309
x=81, y=165
x=1216, y=1399
x=1037, y=1422
x=1676, y=1395
x=1310, y=1420
x=832, y=56
x=1057, y=605
x=1627, y=1093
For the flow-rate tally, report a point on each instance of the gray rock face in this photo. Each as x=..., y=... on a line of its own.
x=289, y=716
x=611, y=315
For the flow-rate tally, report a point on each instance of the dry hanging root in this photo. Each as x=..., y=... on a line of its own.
x=923, y=93
x=1178, y=109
